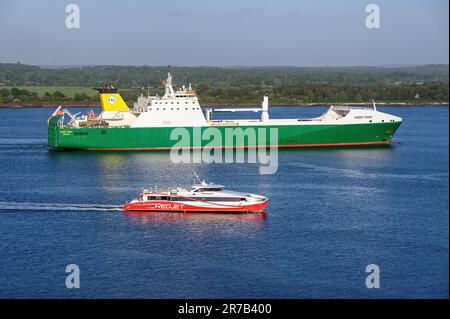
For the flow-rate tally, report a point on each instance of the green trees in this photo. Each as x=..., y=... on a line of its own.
x=231, y=85
x=81, y=97
x=58, y=95
x=137, y=76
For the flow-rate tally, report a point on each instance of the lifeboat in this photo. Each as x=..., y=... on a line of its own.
x=201, y=198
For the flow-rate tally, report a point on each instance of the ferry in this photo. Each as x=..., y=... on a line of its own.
x=153, y=120
x=200, y=198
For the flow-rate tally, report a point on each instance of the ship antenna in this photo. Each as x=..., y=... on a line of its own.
x=197, y=178
x=148, y=84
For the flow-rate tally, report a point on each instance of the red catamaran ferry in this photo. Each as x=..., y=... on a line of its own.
x=201, y=198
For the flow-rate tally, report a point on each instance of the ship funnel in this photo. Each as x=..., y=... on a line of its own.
x=110, y=99
x=265, y=108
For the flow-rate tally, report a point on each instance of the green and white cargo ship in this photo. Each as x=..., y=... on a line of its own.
x=155, y=123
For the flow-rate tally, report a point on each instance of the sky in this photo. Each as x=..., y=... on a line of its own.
x=225, y=33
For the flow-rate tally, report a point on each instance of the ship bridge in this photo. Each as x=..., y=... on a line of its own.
x=174, y=108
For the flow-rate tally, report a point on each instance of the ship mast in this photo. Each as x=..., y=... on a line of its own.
x=169, y=93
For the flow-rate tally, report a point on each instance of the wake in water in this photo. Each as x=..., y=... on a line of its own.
x=58, y=206
x=360, y=174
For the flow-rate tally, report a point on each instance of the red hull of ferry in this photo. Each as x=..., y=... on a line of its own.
x=166, y=206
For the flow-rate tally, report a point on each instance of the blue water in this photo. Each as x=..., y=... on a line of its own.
x=332, y=212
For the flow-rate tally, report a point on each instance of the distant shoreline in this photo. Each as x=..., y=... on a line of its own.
x=237, y=104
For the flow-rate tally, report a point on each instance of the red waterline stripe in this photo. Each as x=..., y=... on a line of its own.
x=196, y=212
x=240, y=147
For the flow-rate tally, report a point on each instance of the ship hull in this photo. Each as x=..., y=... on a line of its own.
x=167, y=206
x=159, y=138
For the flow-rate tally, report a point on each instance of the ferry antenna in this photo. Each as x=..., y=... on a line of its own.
x=196, y=177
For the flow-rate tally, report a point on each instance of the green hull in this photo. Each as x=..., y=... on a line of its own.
x=159, y=138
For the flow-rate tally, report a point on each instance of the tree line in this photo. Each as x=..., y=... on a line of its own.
x=232, y=85
x=227, y=94
x=17, y=95
x=143, y=76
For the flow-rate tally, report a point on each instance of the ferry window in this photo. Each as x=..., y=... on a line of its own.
x=171, y=108
x=210, y=189
x=219, y=199
x=171, y=102
x=178, y=102
x=157, y=198
x=185, y=108
x=157, y=109
x=166, y=102
x=178, y=109
x=186, y=102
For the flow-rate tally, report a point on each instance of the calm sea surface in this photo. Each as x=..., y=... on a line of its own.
x=331, y=212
